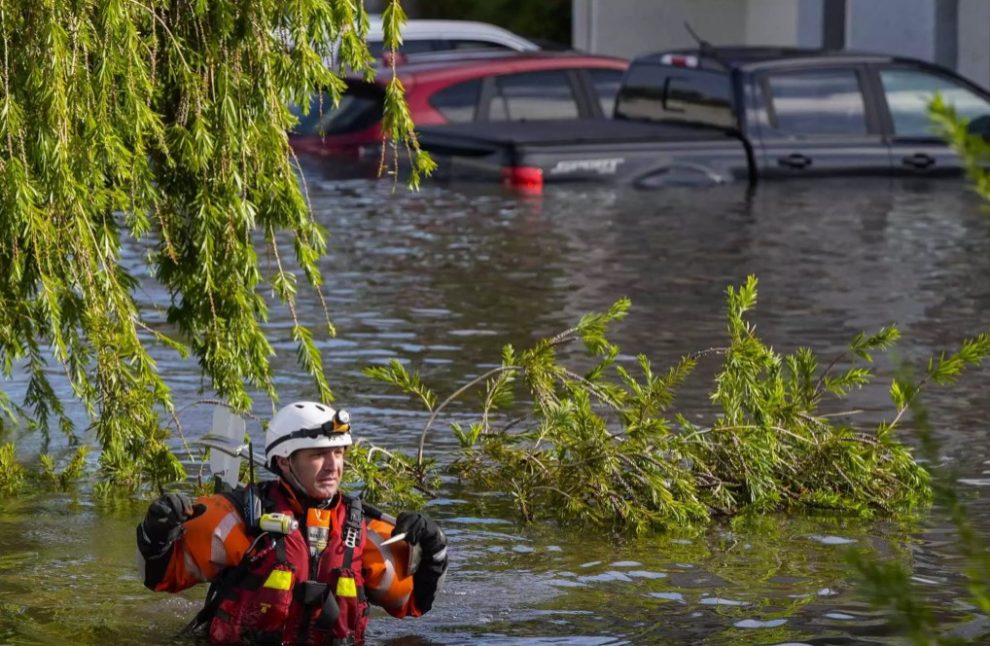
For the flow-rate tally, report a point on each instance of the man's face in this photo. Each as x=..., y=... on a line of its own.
x=319, y=470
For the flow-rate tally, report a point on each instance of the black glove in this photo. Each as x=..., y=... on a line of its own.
x=163, y=523
x=421, y=530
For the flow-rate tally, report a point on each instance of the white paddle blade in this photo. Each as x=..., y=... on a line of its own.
x=230, y=428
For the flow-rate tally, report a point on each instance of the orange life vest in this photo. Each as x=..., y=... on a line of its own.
x=282, y=594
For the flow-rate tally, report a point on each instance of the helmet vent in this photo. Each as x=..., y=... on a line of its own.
x=299, y=406
x=321, y=408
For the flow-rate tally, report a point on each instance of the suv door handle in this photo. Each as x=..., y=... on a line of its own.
x=920, y=161
x=794, y=160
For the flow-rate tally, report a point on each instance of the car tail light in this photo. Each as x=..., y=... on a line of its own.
x=679, y=60
x=526, y=179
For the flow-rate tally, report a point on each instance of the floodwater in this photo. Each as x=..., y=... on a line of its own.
x=441, y=279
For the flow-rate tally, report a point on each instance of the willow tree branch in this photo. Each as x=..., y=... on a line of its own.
x=457, y=393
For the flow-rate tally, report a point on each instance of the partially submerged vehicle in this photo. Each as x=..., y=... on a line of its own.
x=480, y=87
x=714, y=115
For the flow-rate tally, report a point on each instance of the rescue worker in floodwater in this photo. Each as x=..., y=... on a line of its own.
x=313, y=561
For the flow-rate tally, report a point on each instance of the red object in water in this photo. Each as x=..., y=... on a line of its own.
x=525, y=179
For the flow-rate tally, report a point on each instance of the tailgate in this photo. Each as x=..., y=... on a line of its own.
x=602, y=150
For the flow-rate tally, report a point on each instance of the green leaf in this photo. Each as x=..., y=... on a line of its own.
x=396, y=375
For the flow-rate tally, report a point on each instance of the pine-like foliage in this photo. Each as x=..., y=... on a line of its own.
x=607, y=447
x=165, y=121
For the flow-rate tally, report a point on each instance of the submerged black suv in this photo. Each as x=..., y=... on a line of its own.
x=721, y=114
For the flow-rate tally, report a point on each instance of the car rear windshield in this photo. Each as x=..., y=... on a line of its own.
x=413, y=47
x=361, y=107
x=653, y=92
x=377, y=47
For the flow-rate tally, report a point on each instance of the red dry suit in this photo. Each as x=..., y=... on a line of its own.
x=268, y=590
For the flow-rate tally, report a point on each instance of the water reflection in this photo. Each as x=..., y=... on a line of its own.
x=442, y=279
x=747, y=577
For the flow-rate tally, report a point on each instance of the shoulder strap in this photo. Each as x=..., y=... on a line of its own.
x=369, y=510
x=239, y=498
x=351, y=533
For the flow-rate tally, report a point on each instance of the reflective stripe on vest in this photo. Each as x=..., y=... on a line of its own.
x=218, y=549
x=389, y=583
x=214, y=540
x=191, y=568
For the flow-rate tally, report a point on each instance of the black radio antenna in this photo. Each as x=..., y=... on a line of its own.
x=704, y=47
x=702, y=43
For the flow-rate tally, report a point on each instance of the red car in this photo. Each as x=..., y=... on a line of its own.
x=494, y=87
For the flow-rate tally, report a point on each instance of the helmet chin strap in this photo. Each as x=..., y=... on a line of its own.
x=293, y=481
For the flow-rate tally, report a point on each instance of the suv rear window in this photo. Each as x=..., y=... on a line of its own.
x=654, y=92
x=361, y=107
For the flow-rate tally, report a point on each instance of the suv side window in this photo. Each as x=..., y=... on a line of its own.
x=533, y=96
x=817, y=102
x=606, y=84
x=909, y=92
x=459, y=102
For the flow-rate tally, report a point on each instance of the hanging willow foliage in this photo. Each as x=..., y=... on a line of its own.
x=165, y=121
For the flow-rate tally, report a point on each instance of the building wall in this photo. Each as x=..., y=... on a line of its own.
x=631, y=27
x=810, y=21
x=954, y=33
x=902, y=27
x=973, y=49
x=772, y=22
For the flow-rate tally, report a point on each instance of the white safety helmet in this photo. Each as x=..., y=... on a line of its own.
x=305, y=425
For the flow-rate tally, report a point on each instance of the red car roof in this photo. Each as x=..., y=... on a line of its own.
x=471, y=66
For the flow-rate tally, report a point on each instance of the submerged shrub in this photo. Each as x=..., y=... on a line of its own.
x=11, y=473
x=606, y=447
x=71, y=473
